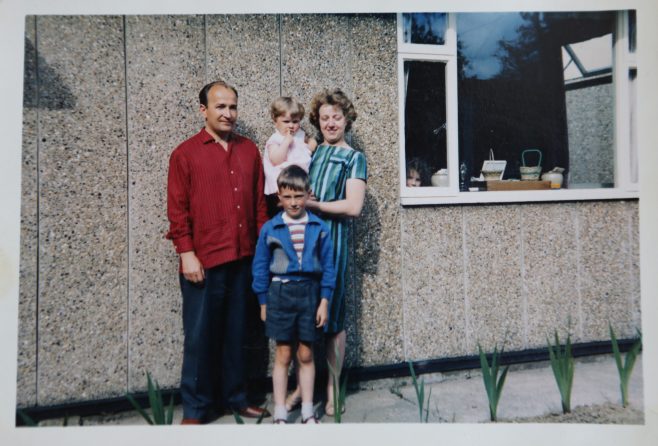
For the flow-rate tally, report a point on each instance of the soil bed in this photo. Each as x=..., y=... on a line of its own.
x=596, y=414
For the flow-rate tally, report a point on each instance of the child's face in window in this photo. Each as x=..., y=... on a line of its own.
x=293, y=202
x=286, y=124
x=413, y=178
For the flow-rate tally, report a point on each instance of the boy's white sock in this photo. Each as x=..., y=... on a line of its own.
x=280, y=412
x=307, y=410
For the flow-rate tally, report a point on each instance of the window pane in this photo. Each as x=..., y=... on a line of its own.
x=635, y=174
x=425, y=28
x=425, y=121
x=632, y=39
x=537, y=81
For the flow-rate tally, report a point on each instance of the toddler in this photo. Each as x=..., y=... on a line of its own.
x=287, y=146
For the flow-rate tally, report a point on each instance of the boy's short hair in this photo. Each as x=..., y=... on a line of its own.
x=286, y=104
x=293, y=177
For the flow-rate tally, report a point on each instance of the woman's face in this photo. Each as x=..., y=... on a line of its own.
x=332, y=124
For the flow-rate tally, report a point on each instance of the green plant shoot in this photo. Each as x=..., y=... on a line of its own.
x=259, y=420
x=158, y=414
x=563, y=367
x=493, y=384
x=626, y=368
x=420, y=394
x=338, y=397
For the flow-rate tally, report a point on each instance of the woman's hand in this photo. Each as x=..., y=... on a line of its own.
x=355, y=194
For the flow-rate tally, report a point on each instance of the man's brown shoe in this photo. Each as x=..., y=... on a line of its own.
x=253, y=412
x=190, y=421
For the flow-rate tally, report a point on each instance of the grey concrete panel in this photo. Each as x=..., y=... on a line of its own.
x=243, y=50
x=82, y=209
x=26, y=385
x=605, y=258
x=378, y=264
x=316, y=53
x=634, y=268
x=550, y=271
x=494, y=301
x=165, y=71
x=433, y=275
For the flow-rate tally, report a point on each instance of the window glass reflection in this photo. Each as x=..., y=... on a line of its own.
x=537, y=81
x=425, y=121
x=425, y=28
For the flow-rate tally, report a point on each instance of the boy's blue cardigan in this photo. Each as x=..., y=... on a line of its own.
x=275, y=255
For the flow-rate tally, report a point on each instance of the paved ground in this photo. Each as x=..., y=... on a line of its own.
x=459, y=397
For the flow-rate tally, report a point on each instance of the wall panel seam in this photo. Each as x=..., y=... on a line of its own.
x=280, y=31
x=205, y=48
x=467, y=308
x=403, y=275
x=579, y=270
x=524, y=284
x=128, y=190
x=38, y=288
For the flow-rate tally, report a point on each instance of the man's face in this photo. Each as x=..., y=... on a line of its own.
x=221, y=112
x=293, y=202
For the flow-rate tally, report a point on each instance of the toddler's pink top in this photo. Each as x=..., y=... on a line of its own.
x=298, y=153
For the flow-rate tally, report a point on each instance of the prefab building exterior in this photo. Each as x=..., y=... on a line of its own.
x=434, y=271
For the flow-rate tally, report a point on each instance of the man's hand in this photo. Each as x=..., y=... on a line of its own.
x=192, y=268
x=263, y=312
x=321, y=315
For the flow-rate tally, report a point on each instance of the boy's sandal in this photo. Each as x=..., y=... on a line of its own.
x=311, y=420
x=293, y=402
x=329, y=409
x=280, y=421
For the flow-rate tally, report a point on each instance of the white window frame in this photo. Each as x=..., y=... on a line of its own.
x=623, y=62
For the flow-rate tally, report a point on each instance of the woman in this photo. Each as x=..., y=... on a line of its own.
x=338, y=181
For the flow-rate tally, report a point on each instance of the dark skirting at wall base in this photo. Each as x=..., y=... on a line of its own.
x=258, y=387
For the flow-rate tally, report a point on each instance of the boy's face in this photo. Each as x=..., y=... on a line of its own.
x=293, y=202
x=286, y=124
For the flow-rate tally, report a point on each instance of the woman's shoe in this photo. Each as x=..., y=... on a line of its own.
x=329, y=409
x=293, y=402
x=311, y=420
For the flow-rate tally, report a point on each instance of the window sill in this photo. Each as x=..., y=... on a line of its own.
x=442, y=197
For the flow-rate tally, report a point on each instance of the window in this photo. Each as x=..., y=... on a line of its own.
x=554, y=90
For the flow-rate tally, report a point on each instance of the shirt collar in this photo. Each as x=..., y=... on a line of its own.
x=277, y=220
x=208, y=138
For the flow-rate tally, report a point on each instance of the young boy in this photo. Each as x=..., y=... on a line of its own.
x=293, y=269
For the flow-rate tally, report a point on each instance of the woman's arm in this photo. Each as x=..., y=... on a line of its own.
x=355, y=194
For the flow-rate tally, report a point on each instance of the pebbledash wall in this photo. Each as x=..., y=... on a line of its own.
x=107, y=98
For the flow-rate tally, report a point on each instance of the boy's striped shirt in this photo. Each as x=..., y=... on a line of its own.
x=297, y=229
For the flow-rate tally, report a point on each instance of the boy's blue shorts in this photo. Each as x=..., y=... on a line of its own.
x=291, y=309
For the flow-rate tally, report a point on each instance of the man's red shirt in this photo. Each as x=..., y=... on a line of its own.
x=215, y=200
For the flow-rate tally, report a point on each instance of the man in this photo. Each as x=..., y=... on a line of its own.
x=216, y=207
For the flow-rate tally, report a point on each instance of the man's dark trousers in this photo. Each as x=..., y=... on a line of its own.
x=214, y=327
